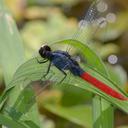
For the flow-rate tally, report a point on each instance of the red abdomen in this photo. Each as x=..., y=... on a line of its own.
x=102, y=86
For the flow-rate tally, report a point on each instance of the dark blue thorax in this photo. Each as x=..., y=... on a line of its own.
x=63, y=61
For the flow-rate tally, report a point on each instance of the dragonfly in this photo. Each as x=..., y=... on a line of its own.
x=63, y=61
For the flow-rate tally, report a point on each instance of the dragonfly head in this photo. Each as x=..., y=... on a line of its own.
x=43, y=50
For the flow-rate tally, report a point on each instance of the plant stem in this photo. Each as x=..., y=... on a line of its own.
x=102, y=113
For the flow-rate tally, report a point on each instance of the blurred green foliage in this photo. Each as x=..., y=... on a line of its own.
x=41, y=21
x=35, y=33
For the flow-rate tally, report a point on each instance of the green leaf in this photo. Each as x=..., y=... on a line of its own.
x=102, y=115
x=73, y=95
x=80, y=114
x=95, y=63
x=31, y=70
x=23, y=103
x=92, y=59
x=31, y=124
x=11, y=48
x=5, y=120
x=11, y=56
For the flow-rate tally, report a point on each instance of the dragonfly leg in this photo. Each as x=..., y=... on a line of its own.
x=47, y=71
x=65, y=74
x=41, y=62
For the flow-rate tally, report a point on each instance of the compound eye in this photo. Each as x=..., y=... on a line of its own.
x=47, y=48
x=41, y=50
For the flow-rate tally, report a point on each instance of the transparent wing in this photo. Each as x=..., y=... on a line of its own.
x=97, y=16
x=88, y=19
x=94, y=27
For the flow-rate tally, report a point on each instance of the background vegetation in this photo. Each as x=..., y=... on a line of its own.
x=61, y=106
